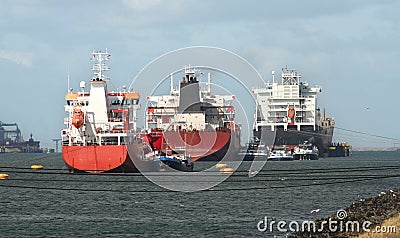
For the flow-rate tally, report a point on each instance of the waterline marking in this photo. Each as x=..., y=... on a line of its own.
x=331, y=225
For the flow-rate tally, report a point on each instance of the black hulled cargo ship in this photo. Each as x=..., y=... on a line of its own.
x=287, y=114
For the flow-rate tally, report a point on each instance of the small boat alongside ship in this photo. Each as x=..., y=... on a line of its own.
x=340, y=149
x=180, y=162
x=254, y=151
x=305, y=151
x=280, y=153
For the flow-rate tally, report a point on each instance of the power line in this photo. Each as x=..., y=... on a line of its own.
x=240, y=173
x=251, y=180
x=368, y=134
x=273, y=170
x=208, y=190
x=303, y=185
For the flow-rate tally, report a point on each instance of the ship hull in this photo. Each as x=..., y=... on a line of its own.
x=200, y=145
x=322, y=137
x=305, y=157
x=97, y=159
x=339, y=151
x=176, y=164
x=280, y=159
x=106, y=159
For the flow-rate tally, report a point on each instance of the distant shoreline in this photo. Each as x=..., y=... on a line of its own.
x=376, y=149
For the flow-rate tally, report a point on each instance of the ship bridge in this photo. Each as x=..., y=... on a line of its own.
x=290, y=102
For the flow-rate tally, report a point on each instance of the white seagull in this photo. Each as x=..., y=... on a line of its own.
x=315, y=211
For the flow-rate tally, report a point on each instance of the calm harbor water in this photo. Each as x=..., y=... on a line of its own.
x=54, y=203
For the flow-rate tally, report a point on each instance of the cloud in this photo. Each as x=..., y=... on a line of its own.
x=141, y=5
x=20, y=58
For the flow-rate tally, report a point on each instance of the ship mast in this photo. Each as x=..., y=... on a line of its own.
x=100, y=65
x=290, y=77
x=98, y=104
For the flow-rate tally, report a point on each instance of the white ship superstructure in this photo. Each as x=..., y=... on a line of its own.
x=107, y=117
x=208, y=112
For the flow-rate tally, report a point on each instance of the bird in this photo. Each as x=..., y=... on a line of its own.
x=383, y=193
x=315, y=211
x=391, y=190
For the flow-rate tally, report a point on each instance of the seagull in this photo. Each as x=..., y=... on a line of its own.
x=315, y=211
x=391, y=190
x=383, y=193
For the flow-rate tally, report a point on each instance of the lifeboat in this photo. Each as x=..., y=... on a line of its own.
x=77, y=118
x=291, y=113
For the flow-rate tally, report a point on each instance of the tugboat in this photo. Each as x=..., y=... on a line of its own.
x=180, y=162
x=340, y=149
x=280, y=153
x=101, y=134
x=254, y=150
x=191, y=117
x=305, y=151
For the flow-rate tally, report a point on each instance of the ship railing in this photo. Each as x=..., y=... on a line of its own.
x=163, y=113
x=118, y=142
x=112, y=138
x=280, y=123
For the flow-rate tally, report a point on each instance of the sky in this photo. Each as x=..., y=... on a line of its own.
x=349, y=47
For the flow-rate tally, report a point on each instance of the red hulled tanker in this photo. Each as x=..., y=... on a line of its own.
x=100, y=134
x=193, y=120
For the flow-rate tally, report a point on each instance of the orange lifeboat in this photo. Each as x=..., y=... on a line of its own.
x=291, y=113
x=77, y=118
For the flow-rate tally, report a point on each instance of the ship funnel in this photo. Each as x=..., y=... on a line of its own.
x=189, y=94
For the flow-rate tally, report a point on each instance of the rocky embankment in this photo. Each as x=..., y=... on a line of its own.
x=369, y=212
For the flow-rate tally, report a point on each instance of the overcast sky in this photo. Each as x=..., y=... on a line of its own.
x=349, y=47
